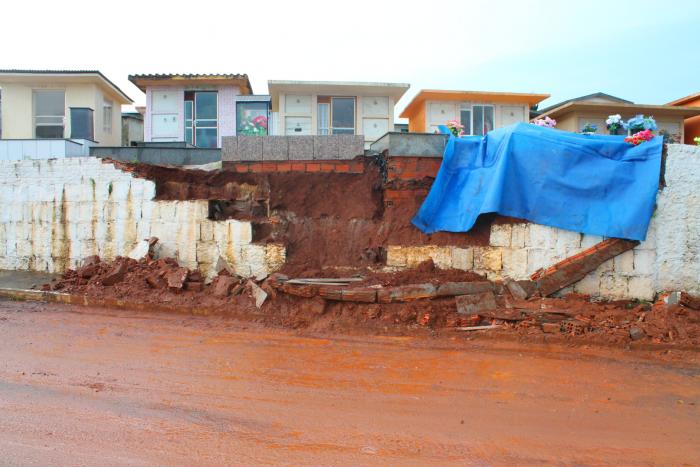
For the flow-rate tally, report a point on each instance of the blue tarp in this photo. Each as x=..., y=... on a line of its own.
x=586, y=183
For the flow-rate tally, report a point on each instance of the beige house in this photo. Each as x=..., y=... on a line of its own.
x=334, y=108
x=574, y=114
x=478, y=111
x=60, y=104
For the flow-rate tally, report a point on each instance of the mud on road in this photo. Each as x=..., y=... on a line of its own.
x=85, y=386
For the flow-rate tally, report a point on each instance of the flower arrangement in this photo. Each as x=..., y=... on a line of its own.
x=456, y=128
x=697, y=140
x=639, y=137
x=255, y=126
x=545, y=122
x=615, y=123
x=640, y=123
x=589, y=128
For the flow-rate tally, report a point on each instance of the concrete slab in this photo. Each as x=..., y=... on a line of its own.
x=24, y=280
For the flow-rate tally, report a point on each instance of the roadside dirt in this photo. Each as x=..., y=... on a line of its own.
x=573, y=318
x=90, y=386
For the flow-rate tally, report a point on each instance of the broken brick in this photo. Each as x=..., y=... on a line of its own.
x=449, y=289
x=575, y=268
x=259, y=295
x=195, y=286
x=359, y=294
x=176, y=278
x=116, y=274
x=156, y=281
x=473, y=304
x=551, y=328
x=516, y=290
x=223, y=286
x=406, y=293
x=305, y=291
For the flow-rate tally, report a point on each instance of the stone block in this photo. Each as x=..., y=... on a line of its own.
x=613, y=287
x=624, y=263
x=250, y=148
x=229, y=149
x=515, y=263
x=350, y=146
x=641, y=288
x=589, y=240
x=501, y=235
x=489, y=259
x=463, y=259
x=644, y=261
x=589, y=285
x=519, y=235
x=275, y=148
x=326, y=147
x=566, y=240
x=541, y=236
x=396, y=256
x=301, y=148
x=474, y=304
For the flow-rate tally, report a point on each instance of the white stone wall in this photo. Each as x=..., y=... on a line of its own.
x=56, y=212
x=667, y=260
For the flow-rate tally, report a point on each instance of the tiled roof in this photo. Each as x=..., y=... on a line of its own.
x=66, y=72
x=190, y=76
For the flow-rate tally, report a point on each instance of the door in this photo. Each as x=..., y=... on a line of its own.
x=205, y=119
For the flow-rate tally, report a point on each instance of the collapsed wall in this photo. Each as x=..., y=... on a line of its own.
x=57, y=212
x=308, y=215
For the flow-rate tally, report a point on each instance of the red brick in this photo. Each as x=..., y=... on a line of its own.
x=298, y=166
x=327, y=167
x=242, y=168
x=342, y=168
x=284, y=167
x=357, y=167
x=269, y=167
x=257, y=167
x=313, y=167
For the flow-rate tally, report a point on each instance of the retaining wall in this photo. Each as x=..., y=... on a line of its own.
x=57, y=212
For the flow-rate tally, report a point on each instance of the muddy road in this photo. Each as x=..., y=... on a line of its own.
x=101, y=387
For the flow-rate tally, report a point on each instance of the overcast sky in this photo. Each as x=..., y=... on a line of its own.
x=644, y=51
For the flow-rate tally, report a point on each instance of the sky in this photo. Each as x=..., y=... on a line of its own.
x=644, y=51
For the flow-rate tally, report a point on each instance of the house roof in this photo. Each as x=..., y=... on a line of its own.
x=335, y=88
x=595, y=95
x=21, y=75
x=478, y=96
x=141, y=81
x=654, y=110
x=686, y=100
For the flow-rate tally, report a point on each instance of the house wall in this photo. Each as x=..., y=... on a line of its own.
x=374, y=115
x=692, y=124
x=132, y=130
x=433, y=113
x=18, y=110
x=165, y=116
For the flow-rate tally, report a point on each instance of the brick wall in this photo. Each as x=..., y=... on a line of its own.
x=412, y=168
x=330, y=166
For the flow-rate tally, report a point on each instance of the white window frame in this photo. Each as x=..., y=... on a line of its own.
x=107, y=112
x=493, y=107
x=34, y=115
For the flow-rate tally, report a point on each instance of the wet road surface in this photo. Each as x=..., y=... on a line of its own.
x=101, y=387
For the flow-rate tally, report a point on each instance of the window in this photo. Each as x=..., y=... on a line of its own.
x=343, y=115
x=252, y=118
x=49, y=113
x=107, y=116
x=324, y=114
x=482, y=119
x=81, y=126
x=205, y=120
x=465, y=118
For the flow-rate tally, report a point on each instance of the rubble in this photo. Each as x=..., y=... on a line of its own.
x=475, y=304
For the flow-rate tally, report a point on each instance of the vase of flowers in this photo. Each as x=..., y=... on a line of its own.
x=456, y=128
x=615, y=124
x=640, y=123
x=639, y=137
x=589, y=129
x=545, y=122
